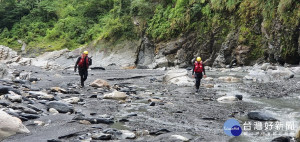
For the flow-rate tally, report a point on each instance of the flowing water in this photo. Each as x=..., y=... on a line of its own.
x=284, y=109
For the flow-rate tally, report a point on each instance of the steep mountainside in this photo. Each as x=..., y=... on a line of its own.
x=222, y=32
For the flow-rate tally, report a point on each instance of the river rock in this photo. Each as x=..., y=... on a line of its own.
x=99, y=83
x=72, y=100
x=208, y=79
x=296, y=70
x=247, y=77
x=271, y=73
x=94, y=120
x=97, y=68
x=13, y=97
x=284, y=139
x=29, y=116
x=179, y=137
x=127, y=134
x=116, y=95
x=101, y=136
x=152, y=104
x=39, y=123
x=264, y=66
x=10, y=125
x=159, y=132
x=240, y=97
x=4, y=103
x=58, y=89
x=238, y=69
x=25, y=61
x=155, y=100
x=260, y=116
x=227, y=99
x=61, y=107
x=281, y=73
x=53, y=111
x=209, y=85
x=25, y=75
x=173, y=137
x=6, y=89
x=85, y=122
x=229, y=79
x=26, y=82
x=41, y=95
x=178, y=77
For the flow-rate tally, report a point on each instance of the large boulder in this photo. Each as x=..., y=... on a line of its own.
x=61, y=107
x=100, y=83
x=7, y=53
x=178, y=77
x=280, y=73
x=296, y=70
x=10, y=125
x=116, y=95
x=267, y=73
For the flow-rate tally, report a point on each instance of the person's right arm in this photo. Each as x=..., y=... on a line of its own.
x=75, y=67
x=193, y=71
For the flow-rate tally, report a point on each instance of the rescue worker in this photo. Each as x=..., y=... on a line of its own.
x=198, y=72
x=83, y=64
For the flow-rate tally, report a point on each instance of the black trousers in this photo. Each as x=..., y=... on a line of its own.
x=83, y=75
x=198, y=77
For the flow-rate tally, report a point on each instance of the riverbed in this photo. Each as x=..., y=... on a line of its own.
x=179, y=111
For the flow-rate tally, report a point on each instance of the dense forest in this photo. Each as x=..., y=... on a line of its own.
x=57, y=24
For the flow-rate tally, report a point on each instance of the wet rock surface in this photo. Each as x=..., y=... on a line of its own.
x=260, y=116
x=145, y=108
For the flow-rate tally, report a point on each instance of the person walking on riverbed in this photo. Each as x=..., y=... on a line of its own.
x=83, y=64
x=198, y=71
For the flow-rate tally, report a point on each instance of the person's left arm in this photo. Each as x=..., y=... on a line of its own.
x=203, y=69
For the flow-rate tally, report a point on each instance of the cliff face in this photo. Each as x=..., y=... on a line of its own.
x=249, y=32
x=181, y=51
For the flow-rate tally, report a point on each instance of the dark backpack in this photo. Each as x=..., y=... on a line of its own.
x=90, y=61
